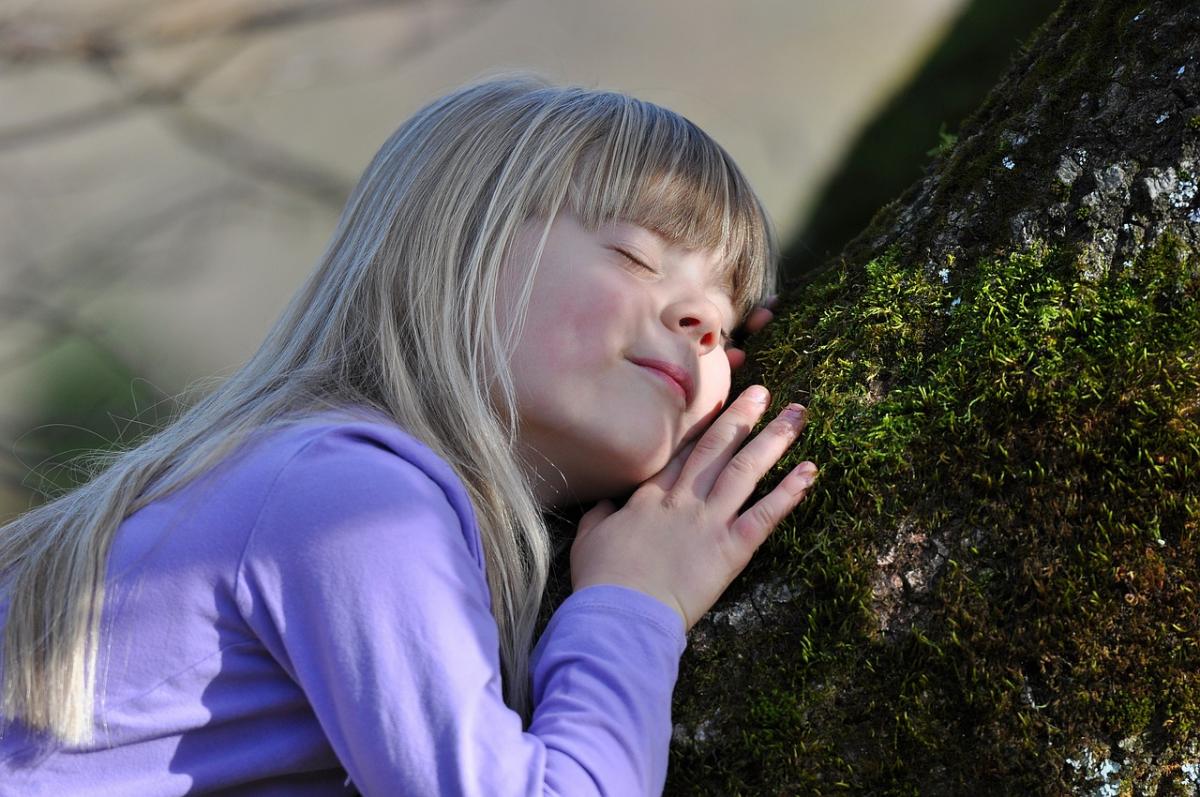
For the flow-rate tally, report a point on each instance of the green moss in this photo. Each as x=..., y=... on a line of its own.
x=945, y=145
x=1045, y=427
x=1042, y=424
x=1194, y=123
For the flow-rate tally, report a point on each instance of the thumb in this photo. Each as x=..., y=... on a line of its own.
x=596, y=515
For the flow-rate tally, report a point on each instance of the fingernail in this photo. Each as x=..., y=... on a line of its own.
x=806, y=470
x=793, y=412
x=757, y=393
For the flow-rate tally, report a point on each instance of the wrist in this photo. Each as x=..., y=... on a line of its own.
x=664, y=598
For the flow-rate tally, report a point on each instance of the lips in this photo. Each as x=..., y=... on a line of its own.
x=673, y=372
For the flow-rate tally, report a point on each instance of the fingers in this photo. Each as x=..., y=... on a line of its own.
x=665, y=479
x=719, y=442
x=756, y=523
x=747, y=468
x=596, y=514
x=755, y=322
x=759, y=317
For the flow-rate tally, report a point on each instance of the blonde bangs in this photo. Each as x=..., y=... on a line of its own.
x=656, y=169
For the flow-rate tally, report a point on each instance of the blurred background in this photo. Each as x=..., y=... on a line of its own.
x=170, y=169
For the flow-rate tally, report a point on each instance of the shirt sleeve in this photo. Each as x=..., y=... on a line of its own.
x=367, y=587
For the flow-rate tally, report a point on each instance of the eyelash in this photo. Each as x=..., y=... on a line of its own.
x=726, y=338
x=635, y=261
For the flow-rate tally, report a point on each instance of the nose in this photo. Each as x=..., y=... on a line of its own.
x=698, y=318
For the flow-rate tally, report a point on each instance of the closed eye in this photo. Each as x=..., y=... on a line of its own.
x=636, y=261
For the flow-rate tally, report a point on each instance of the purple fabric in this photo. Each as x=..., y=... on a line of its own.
x=312, y=617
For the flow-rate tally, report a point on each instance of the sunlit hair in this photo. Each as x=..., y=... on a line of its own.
x=400, y=316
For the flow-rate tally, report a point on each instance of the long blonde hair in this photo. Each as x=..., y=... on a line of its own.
x=399, y=316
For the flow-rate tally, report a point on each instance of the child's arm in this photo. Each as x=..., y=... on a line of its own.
x=364, y=579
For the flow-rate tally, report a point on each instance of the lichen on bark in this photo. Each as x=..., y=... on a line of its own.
x=995, y=586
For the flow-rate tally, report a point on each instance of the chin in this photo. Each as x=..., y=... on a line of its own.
x=608, y=465
x=633, y=470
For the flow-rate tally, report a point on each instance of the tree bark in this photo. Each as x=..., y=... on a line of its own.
x=995, y=586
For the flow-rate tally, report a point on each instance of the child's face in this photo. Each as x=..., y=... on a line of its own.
x=591, y=404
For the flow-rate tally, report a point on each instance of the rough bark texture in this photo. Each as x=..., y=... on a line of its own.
x=995, y=588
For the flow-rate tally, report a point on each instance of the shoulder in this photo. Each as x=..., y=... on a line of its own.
x=342, y=472
x=349, y=448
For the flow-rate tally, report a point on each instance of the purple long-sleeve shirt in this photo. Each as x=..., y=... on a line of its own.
x=312, y=617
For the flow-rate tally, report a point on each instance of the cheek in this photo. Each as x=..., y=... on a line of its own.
x=573, y=329
x=569, y=341
x=716, y=375
x=712, y=393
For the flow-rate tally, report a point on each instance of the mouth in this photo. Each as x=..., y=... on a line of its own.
x=679, y=379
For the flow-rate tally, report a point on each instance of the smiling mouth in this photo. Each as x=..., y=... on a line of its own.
x=662, y=372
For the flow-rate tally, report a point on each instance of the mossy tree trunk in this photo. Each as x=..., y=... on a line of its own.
x=995, y=587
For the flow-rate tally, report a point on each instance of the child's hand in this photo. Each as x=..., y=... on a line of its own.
x=755, y=322
x=680, y=537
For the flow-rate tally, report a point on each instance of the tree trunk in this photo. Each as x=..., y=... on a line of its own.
x=995, y=587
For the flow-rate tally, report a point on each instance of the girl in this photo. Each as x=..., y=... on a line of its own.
x=325, y=576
